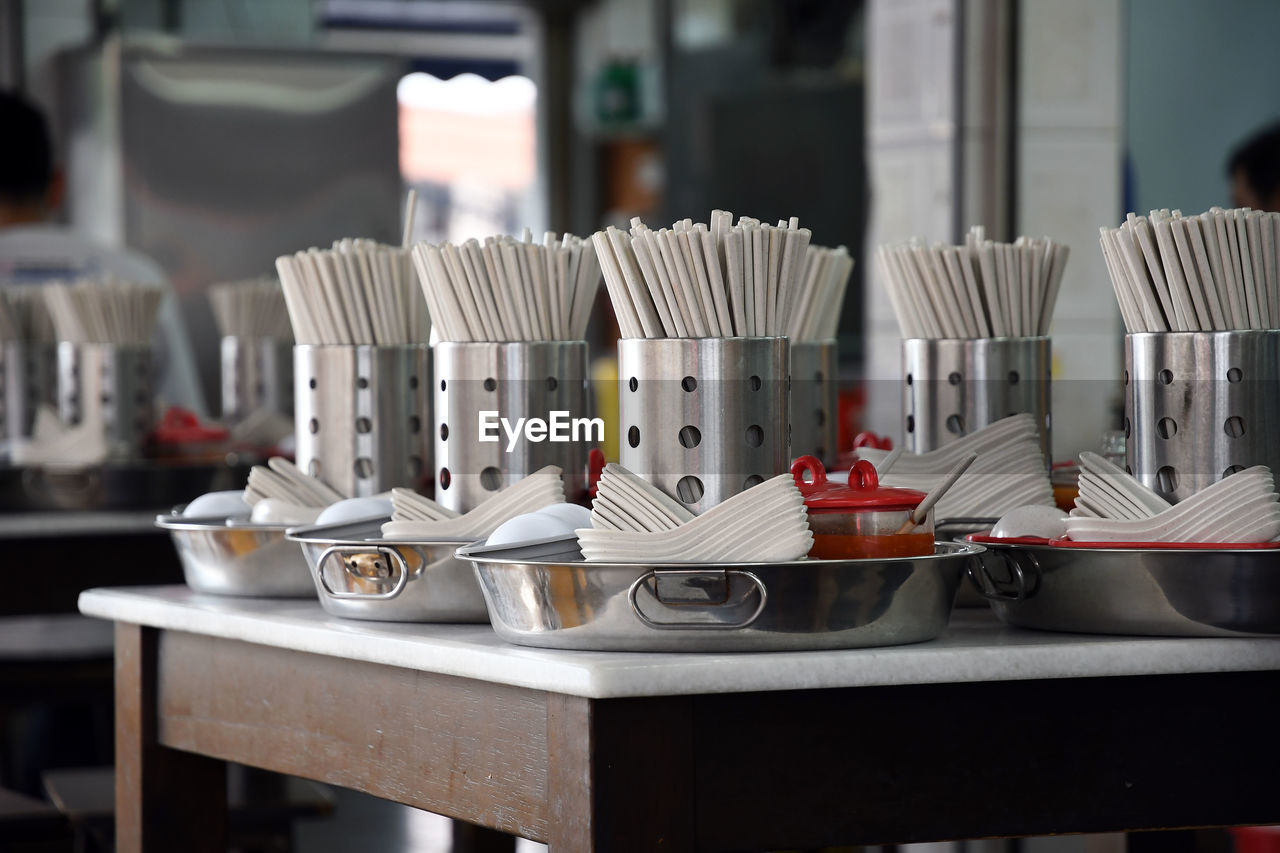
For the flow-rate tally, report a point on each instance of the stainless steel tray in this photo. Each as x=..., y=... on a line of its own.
x=360, y=575
x=134, y=485
x=1191, y=593
x=240, y=559
x=544, y=594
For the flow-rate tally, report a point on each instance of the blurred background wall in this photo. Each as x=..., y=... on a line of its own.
x=1199, y=78
x=215, y=134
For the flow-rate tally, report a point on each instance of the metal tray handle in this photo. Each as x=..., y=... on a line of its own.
x=1023, y=587
x=396, y=563
x=713, y=578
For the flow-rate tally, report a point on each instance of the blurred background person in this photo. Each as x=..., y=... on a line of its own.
x=1254, y=170
x=34, y=249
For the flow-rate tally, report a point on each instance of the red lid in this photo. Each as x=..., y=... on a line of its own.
x=862, y=493
x=179, y=426
x=870, y=439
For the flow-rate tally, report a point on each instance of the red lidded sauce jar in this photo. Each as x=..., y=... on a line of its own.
x=860, y=520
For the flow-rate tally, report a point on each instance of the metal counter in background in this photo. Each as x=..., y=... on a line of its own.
x=65, y=531
x=236, y=177
x=48, y=525
x=58, y=554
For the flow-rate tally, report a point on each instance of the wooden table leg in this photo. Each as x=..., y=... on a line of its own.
x=620, y=775
x=166, y=800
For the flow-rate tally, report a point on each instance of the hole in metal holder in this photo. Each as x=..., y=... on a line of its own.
x=491, y=479
x=395, y=562
x=976, y=569
x=675, y=588
x=690, y=489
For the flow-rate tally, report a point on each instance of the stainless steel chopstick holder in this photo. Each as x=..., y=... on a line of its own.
x=362, y=415
x=511, y=380
x=18, y=400
x=954, y=387
x=108, y=384
x=1199, y=406
x=814, y=386
x=257, y=375
x=704, y=418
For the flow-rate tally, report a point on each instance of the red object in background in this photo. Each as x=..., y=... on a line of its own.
x=875, y=442
x=850, y=403
x=1256, y=839
x=179, y=426
x=863, y=439
x=595, y=467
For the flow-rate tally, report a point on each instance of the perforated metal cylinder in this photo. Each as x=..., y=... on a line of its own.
x=362, y=416
x=1199, y=406
x=42, y=375
x=17, y=406
x=704, y=418
x=814, y=386
x=954, y=387
x=111, y=385
x=257, y=375
x=527, y=379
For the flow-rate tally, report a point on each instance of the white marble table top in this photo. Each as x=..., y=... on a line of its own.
x=975, y=648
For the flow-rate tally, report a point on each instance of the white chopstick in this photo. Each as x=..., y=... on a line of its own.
x=979, y=289
x=717, y=280
x=1214, y=272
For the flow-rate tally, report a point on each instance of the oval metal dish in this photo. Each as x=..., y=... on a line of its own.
x=1202, y=593
x=240, y=559
x=543, y=594
x=360, y=575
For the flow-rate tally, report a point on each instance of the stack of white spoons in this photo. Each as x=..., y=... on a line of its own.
x=765, y=524
x=1009, y=472
x=1108, y=491
x=282, y=493
x=626, y=501
x=415, y=517
x=1243, y=508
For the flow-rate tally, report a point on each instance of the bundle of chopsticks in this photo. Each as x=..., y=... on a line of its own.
x=103, y=312
x=816, y=313
x=695, y=281
x=251, y=309
x=358, y=292
x=1212, y=272
x=982, y=289
x=509, y=289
